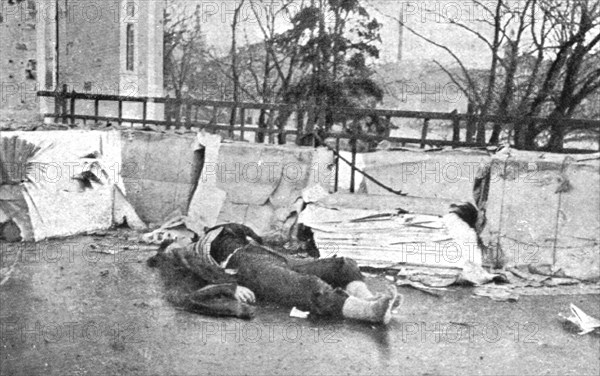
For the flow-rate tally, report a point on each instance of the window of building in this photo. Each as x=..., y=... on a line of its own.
x=129, y=48
x=130, y=8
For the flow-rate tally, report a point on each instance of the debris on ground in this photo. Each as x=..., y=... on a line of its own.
x=547, y=270
x=500, y=285
x=434, y=291
x=499, y=293
x=5, y=272
x=582, y=320
x=476, y=275
x=172, y=229
x=295, y=312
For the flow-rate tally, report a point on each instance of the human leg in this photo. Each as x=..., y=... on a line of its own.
x=339, y=272
x=275, y=281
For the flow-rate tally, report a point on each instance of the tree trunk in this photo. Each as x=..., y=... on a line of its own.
x=557, y=131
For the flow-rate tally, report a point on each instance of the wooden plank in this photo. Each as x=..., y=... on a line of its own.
x=582, y=123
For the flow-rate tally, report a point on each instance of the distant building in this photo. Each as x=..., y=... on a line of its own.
x=104, y=47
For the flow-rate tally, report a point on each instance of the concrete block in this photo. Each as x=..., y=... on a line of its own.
x=248, y=173
x=443, y=174
x=578, y=246
x=155, y=200
x=545, y=209
x=231, y=212
x=157, y=172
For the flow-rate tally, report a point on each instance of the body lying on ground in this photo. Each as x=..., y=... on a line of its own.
x=238, y=269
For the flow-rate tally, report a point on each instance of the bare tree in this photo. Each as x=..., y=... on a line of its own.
x=574, y=72
x=184, y=51
x=305, y=61
x=544, y=62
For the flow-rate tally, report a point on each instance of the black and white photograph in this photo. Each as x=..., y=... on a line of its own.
x=299, y=187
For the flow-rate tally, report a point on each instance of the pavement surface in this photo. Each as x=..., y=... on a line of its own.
x=68, y=309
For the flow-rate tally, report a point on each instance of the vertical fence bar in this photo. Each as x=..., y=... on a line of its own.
x=310, y=121
x=337, y=164
x=242, y=122
x=388, y=126
x=168, y=111
x=455, y=131
x=424, y=133
x=213, y=120
x=188, y=114
x=353, y=164
x=353, y=141
x=144, y=111
x=120, y=116
x=72, y=107
x=320, y=125
x=470, y=130
x=270, y=124
x=96, y=109
x=177, y=113
x=480, y=138
x=261, y=135
x=57, y=106
x=63, y=104
x=470, y=122
x=232, y=121
x=299, y=125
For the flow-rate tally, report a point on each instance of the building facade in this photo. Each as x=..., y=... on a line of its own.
x=18, y=60
x=102, y=47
